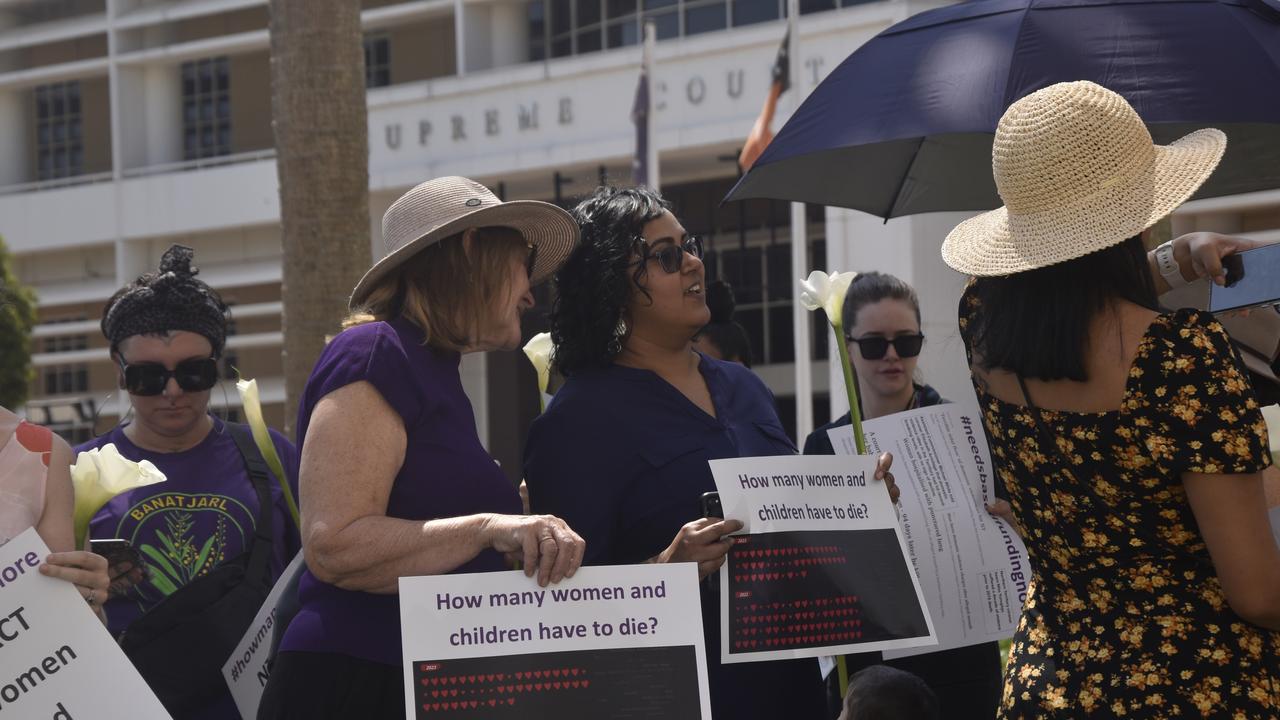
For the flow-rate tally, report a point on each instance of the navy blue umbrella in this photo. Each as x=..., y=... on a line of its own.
x=904, y=125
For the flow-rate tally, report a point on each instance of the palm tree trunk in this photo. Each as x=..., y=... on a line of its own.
x=322, y=159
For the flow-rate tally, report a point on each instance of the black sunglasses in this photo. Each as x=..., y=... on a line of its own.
x=876, y=347
x=671, y=255
x=195, y=375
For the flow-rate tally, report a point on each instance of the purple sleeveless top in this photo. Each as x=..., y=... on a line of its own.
x=446, y=473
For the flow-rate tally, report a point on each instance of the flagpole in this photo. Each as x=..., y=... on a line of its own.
x=800, y=317
x=647, y=65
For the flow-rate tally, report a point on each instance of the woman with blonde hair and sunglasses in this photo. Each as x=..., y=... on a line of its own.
x=394, y=480
x=622, y=450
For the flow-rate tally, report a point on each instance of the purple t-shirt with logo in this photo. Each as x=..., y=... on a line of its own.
x=204, y=513
x=446, y=472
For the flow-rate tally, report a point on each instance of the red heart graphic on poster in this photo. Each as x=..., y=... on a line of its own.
x=453, y=706
x=435, y=706
x=519, y=676
x=453, y=693
x=511, y=701
x=555, y=673
x=574, y=672
x=473, y=704
x=576, y=684
x=493, y=702
x=435, y=693
x=537, y=674
x=538, y=686
x=585, y=683
x=557, y=685
x=502, y=688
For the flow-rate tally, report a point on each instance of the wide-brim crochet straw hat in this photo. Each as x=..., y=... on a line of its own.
x=446, y=206
x=1078, y=172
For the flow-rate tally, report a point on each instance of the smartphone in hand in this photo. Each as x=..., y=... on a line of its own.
x=711, y=507
x=1253, y=280
x=124, y=563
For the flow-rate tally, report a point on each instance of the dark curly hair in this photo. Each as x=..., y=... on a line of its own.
x=170, y=299
x=593, y=285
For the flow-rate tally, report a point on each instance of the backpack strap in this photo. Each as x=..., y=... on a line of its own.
x=260, y=557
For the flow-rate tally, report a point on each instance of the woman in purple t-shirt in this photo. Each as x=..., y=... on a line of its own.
x=394, y=480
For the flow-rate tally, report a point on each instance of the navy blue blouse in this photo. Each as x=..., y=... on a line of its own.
x=621, y=455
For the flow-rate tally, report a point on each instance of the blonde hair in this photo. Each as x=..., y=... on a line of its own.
x=450, y=289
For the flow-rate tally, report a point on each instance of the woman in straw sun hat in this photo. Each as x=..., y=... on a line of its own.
x=1129, y=439
x=394, y=480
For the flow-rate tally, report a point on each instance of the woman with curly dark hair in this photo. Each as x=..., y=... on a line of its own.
x=621, y=453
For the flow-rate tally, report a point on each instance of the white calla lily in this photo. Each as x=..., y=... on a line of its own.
x=826, y=292
x=252, y=406
x=539, y=350
x=101, y=474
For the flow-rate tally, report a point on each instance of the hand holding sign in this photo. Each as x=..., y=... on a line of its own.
x=545, y=543
x=56, y=659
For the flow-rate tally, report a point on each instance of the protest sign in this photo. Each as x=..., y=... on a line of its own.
x=57, y=661
x=972, y=565
x=820, y=567
x=621, y=641
x=246, y=671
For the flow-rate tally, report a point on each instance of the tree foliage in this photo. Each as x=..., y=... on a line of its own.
x=17, y=318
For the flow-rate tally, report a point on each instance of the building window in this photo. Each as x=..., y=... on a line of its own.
x=59, y=147
x=66, y=379
x=537, y=30
x=66, y=343
x=377, y=61
x=206, y=108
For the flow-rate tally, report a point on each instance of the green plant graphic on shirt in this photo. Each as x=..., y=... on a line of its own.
x=180, y=559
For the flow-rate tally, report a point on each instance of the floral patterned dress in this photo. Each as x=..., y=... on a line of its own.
x=1125, y=616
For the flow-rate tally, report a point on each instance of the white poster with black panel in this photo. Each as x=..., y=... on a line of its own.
x=57, y=661
x=820, y=567
x=971, y=564
x=619, y=641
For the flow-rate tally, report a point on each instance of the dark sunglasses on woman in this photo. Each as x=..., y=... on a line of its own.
x=150, y=378
x=876, y=347
x=671, y=255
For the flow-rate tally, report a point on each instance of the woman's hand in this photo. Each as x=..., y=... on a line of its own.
x=882, y=473
x=703, y=541
x=545, y=543
x=85, y=570
x=1003, y=510
x=1202, y=253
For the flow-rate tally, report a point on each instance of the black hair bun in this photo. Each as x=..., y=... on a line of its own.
x=720, y=301
x=177, y=259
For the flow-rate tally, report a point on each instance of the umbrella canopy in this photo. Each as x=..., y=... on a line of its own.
x=904, y=125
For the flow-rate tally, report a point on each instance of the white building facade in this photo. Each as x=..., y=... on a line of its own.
x=134, y=124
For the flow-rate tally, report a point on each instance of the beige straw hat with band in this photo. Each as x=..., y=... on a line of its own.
x=446, y=206
x=1078, y=172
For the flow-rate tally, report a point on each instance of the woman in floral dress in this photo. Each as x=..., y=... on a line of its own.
x=1130, y=440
